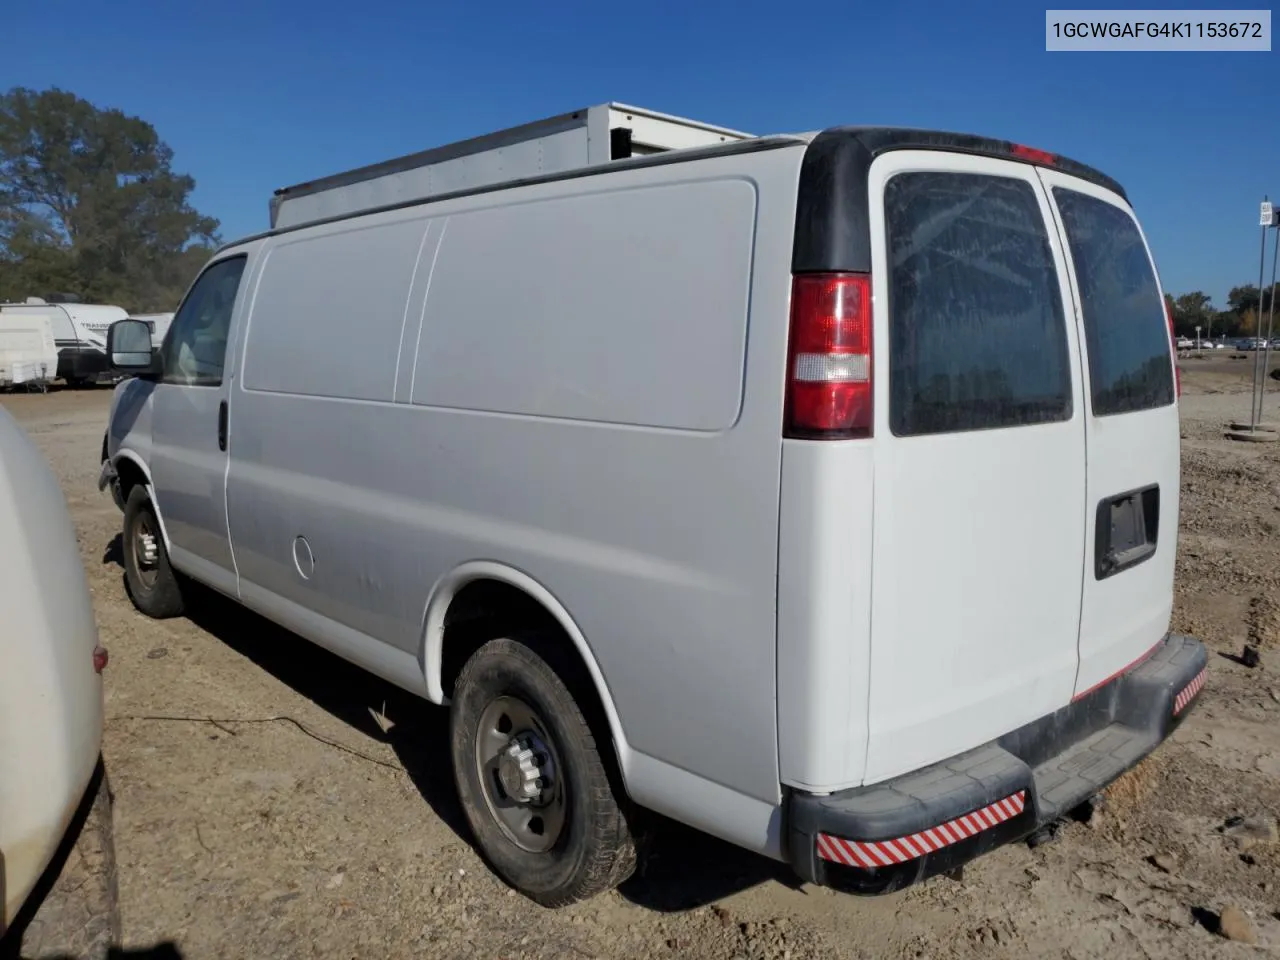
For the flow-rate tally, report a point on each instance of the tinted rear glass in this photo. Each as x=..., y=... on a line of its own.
x=1126, y=330
x=976, y=328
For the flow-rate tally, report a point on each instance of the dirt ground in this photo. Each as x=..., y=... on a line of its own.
x=262, y=812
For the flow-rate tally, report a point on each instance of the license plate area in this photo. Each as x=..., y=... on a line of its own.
x=1128, y=526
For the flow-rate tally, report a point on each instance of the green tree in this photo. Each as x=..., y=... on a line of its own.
x=90, y=204
x=1245, y=298
x=1249, y=322
x=1192, y=310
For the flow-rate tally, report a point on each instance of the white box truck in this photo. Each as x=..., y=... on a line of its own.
x=570, y=141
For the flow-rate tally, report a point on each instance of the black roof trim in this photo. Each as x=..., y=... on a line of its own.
x=832, y=218
x=686, y=155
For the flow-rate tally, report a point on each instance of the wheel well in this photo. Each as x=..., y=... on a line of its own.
x=130, y=475
x=486, y=609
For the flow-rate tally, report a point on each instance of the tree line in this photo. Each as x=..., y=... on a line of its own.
x=91, y=208
x=1245, y=316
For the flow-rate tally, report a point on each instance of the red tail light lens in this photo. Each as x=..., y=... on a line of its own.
x=1031, y=154
x=829, y=382
x=1173, y=349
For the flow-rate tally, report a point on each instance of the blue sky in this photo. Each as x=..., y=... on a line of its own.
x=253, y=96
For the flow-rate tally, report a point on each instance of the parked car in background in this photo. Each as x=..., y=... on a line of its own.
x=54, y=798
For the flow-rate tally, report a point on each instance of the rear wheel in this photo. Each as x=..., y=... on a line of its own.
x=534, y=786
x=153, y=583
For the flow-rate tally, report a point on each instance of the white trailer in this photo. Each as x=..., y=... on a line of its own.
x=28, y=353
x=80, y=332
x=570, y=141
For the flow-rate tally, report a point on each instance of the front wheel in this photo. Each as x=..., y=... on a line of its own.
x=153, y=583
x=533, y=784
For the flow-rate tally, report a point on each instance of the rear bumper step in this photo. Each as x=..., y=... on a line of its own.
x=887, y=836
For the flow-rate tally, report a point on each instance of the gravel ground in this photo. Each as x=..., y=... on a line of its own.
x=261, y=811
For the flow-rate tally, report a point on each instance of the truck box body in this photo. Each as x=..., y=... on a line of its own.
x=571, y=141
x=844, y=464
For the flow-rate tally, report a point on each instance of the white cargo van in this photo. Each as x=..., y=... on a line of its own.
x=818, y=491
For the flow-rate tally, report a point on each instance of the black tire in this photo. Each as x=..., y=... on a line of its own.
x=74, y=910
x=594, y=849
x=153, y=587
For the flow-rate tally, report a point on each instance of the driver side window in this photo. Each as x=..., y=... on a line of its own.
x=195, y=349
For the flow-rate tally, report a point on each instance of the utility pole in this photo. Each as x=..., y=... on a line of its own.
x=1254, y=429
x=1271, y=315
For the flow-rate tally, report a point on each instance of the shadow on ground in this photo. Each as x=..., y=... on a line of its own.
x=114, y=553
x=679, y=868
x=682, y=869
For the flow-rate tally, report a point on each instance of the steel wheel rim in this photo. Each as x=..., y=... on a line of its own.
x=144, y=541
x=532, y=822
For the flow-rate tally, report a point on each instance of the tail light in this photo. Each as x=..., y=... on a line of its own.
x=1173, y=349
x=1032, y=155
x=829, y=369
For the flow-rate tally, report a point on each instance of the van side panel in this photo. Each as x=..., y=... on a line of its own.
x=626, y=456
x=661, y=542
x=321, y=349
x=824, y=612
x=337, y=303
x=624, y=308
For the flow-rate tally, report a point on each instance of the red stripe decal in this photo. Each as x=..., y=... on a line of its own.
x=1188, y=693
x=872, y=854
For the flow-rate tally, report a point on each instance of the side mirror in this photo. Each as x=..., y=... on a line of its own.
x=129, y=346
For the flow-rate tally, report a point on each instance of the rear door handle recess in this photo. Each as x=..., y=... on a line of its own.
x=222, y=425
x=1128, y=528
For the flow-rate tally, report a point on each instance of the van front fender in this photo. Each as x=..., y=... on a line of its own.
x=135, y=462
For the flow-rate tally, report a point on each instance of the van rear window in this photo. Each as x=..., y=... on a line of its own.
x=977, y=335
x=1126, y=331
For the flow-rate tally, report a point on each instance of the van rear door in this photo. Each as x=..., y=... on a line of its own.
x=1132, y=428
x=979, y=536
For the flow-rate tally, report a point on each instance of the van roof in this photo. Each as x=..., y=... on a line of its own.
x=832, y=222
x=836, y=151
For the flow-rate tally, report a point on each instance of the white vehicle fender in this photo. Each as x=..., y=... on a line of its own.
x=136, y=460
x=442, y=594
